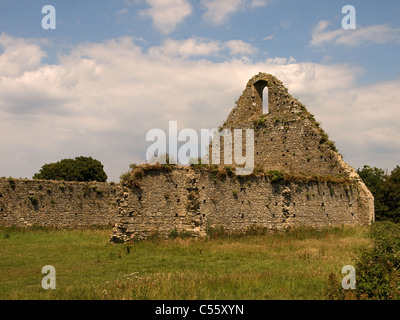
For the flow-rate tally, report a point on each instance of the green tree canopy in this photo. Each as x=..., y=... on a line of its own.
x=390, y=196
x=78, y=169
x=372, y=177
x=386, y=191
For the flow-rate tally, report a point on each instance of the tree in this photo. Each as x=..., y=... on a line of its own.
x=372, y=177
x=78, y=169
x=386, y=191
x=390, y=197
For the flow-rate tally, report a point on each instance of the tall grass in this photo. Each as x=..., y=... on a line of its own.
x=291, y=265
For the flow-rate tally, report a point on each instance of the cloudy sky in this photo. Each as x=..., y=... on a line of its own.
x=113, y=70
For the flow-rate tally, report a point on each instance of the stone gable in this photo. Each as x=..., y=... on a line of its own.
x=300, y=179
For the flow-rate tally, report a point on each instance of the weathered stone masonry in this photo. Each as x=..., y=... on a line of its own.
x=28, y=203
x=319, y=188
x=189, y=199
x=299, y=179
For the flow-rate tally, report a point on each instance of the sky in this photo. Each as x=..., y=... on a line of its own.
x=111, y=71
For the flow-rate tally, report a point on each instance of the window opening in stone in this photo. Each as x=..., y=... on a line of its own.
x=262, y=89
x=265, y=100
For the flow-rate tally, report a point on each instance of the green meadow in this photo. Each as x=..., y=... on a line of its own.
x=282, y=265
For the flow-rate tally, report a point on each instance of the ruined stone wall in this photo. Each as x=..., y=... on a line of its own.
x=189, y=199
x=314, y=186
x=287, y=140
x=293, y=146
x=250, y=103
x=27, y=203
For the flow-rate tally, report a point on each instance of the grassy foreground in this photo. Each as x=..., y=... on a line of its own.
x=292, y=265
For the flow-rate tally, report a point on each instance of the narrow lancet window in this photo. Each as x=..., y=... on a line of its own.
x=265, y=100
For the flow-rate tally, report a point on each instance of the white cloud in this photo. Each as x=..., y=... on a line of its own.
x=218, y=11
x=102, y=98
x=167, y=14
x=187, y=48
x=378, y=34
x=239, y=47
x=19, y=55
x=280, y=60
x=196, y=47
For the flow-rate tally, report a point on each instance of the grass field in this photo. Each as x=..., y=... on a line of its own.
x=291, y=265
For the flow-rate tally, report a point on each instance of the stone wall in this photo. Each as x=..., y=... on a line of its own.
x=286, y=138
x=191, y=199
x=313, y=187
x=319, y=188
x=27, y=203
x=250, y=102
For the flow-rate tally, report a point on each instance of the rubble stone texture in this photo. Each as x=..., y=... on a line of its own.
x=299, y=179
x=319, y=188
x=56, y=204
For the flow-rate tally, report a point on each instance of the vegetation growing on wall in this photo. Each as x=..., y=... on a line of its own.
x=130, y=178
x=220, y=173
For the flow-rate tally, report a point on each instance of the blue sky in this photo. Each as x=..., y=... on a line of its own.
x=112, y=70
x=289, y=23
